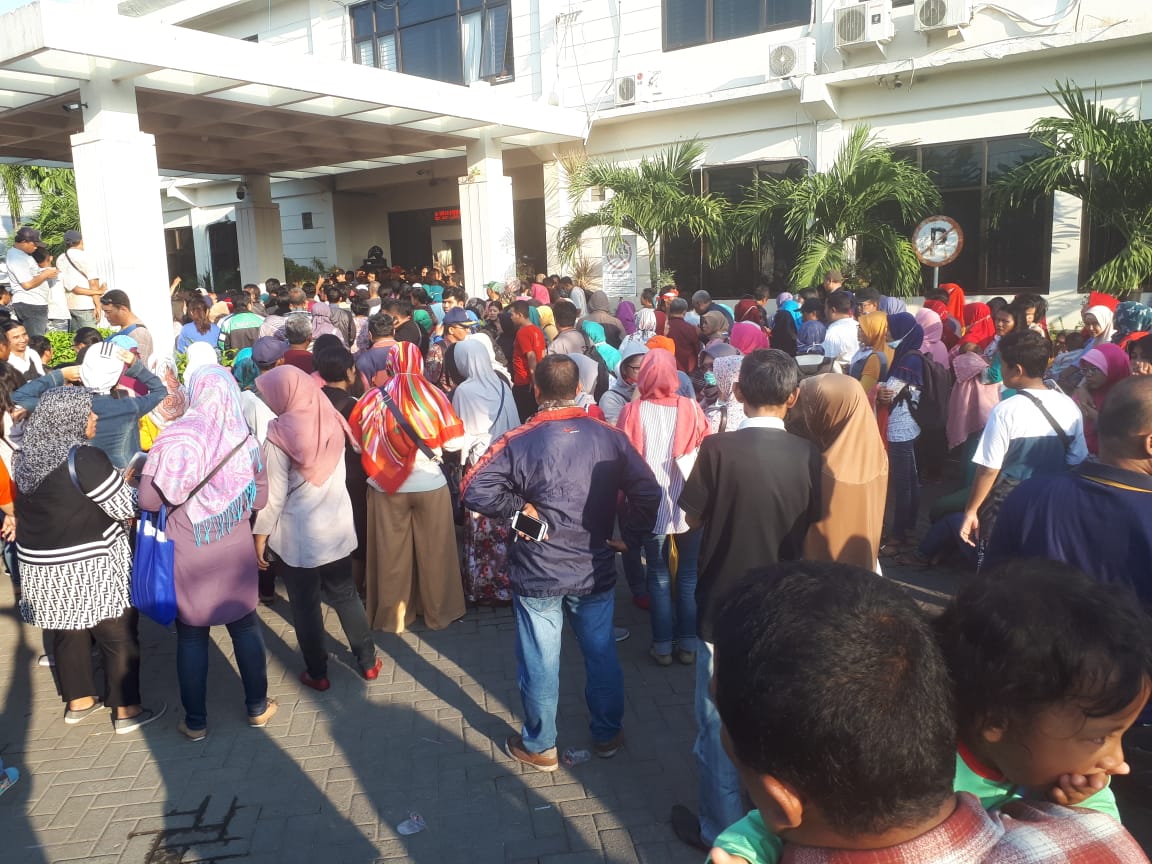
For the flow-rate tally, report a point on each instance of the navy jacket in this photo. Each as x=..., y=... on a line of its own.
x=572, y=468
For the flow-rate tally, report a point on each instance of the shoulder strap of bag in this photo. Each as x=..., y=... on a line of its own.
x=72, y=468
x=74, y=264
x=213, y=472
x=1064, y=439
x=723, y=417
x=403, y=423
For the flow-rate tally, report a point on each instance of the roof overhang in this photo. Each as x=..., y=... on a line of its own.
x=220, y=106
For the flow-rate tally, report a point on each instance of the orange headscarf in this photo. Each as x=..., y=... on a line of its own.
x=657, y=383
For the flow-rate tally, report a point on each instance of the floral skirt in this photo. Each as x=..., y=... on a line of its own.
x=486, y=560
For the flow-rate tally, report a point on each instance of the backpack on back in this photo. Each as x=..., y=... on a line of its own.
x=856, y=370
x=931, y=412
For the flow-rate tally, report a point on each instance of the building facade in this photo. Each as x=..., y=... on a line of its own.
x=768, y=86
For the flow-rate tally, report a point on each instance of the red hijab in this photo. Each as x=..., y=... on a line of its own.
x=657, y=383
x=948, y=336
x=979, y=328
x=955, y=300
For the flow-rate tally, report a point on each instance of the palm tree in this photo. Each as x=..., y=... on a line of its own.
x=59, y=211
x=20, y=180
x=858, y=210
x=653, y=200
x=1101, y=156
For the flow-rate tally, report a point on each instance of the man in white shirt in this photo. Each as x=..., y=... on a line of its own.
x=842, y=339
x=29, y=281
x=1037, y=431
x=80, y=281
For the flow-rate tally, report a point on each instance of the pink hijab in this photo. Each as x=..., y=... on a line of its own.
x=747, y=337
x=933, y=329
x=540, y=293
x=657, y=383
x=971, y=401
x=188, y=449
x=306, y=427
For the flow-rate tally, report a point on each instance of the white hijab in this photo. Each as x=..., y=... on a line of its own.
x=589, y=371
x=483, y=401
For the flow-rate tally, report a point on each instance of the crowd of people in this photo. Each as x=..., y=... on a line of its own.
x=384, y=443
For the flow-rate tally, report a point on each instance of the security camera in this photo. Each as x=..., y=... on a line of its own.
x=241, y=192
x=897, y=82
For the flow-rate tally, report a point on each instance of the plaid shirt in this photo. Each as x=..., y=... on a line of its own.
x=1021, y=832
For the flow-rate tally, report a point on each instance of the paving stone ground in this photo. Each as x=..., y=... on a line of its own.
x=334, y=773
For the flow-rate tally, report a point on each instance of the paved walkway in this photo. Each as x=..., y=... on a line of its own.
x=334, y=773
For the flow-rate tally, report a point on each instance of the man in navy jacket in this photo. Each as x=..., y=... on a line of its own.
x=568, y=470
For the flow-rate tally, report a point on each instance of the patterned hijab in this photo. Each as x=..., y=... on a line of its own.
x=190, y=448
x=389, y=452
x=306, y=427
x=58, y=423
x=176, y=402
x=1131, y=317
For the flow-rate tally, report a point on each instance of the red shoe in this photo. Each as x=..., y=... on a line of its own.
x=320, y=684
x=642, y=601
x=374, y=673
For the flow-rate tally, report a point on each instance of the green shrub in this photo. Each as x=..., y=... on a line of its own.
x=62, y=350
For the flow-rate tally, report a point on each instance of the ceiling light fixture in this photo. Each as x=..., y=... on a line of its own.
x=74, y=106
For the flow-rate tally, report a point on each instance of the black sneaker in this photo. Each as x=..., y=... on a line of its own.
x=686, y=826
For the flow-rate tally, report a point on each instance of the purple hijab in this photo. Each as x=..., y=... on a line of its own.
x=626, y=312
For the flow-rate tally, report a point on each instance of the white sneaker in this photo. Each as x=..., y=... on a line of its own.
x=8, y=778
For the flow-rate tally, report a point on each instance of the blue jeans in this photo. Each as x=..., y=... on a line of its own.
x=539, y=625
x=192, y=667
x=720, y=801
x=33, y=317
x=673, y=620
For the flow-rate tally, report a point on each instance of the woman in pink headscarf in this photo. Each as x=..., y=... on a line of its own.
x=747, y=337
x=933, y=328
x=667, y=430
x=1103, y=368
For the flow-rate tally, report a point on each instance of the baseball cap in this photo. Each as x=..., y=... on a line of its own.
x=29, y=235
x=72, y=238
x=268, y=349
x=460, y=317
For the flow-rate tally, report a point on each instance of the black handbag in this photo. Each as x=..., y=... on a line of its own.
x=451, y=470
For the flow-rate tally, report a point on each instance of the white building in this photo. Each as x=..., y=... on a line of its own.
x=280, y=101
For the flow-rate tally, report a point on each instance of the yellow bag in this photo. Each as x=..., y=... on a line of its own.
x=148, y=432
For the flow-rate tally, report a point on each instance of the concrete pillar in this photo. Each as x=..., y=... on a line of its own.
x=118, y=186
x=258, y=232
x=557, y=211
x=486, y=224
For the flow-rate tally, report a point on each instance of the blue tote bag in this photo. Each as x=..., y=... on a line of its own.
x=153, y=588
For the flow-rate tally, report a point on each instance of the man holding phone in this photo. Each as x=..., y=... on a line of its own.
x=559, y=476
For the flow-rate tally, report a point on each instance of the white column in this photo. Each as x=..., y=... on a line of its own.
x=117, y=183
x=258, y=232
x=486, y=225
x=557, y=210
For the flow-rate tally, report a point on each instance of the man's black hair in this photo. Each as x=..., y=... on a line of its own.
x=828, y=678
x=1027, y=349
x=359, y=306
x=241, y=302
x=763, y=292
x=1034, y=634
x=309, y=289
x=399, y=307
x=332, y=294
x=1127, y=411
x=250, y=287
x=806, y=294
x=565, y=313
x=938, y=294
x=40, y=344
x=839, y=302
x=768, y=376
x=332, y=362
x=557, y=377
x=867, y=295
x=421, y=297
x=457, y=294
x=381, y=326
x=86, y=336
x=813, y=304
x=271, y=284
x=115, y=297
x=520, y=307
x=649, y=294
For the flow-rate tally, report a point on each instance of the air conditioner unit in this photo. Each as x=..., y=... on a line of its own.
x=640, y=87
x=942, y=14
x=792, y=58
x=864, y=23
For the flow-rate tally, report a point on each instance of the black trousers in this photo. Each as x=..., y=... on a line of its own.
x=119, y=645
x=525, y=399
x=305, y=585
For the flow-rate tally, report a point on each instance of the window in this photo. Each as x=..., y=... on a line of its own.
x=697, y=22
x=770, y=260
x=1013, y=256
x=456, y=41
x=306, y=221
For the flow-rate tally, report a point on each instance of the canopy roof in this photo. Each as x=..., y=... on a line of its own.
x=220, y=106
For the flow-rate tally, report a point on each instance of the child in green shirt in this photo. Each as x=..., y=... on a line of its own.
x=1050, y=670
